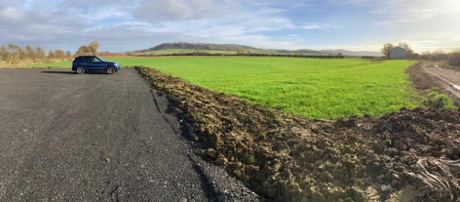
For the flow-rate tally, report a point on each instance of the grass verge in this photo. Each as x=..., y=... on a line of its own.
x=428, y=87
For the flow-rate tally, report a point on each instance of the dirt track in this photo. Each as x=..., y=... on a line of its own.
x=446, y=79
x=95, y=137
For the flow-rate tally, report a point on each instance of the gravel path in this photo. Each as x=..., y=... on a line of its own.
x=98, y=137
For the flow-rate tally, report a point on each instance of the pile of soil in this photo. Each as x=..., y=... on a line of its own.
x=411, y=155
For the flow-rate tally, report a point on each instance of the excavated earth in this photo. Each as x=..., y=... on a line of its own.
x=410, y=155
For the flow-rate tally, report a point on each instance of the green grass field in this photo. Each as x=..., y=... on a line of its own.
x=315, y=88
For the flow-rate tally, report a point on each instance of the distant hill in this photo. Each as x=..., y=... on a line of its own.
x=199, y=47
x=233, y=49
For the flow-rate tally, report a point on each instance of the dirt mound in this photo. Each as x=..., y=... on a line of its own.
x=407, y=142
x=290, y=158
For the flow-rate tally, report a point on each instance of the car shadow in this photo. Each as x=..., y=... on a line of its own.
x=58, y=72
x=95, y=72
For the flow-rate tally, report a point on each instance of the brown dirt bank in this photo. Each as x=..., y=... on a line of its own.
x=409, y=155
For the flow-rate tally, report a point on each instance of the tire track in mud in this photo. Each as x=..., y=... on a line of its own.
x=445, y=80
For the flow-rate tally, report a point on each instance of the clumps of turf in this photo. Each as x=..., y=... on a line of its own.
x=291, y=158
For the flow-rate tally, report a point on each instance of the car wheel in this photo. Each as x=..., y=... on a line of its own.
x=110, y=70
x=80, y=70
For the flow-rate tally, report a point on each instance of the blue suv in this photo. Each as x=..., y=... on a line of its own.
x=82, y=64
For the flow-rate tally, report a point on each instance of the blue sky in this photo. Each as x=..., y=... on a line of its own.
x=124, y=25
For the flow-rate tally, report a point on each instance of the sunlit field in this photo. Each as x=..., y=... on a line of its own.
x=315, y=88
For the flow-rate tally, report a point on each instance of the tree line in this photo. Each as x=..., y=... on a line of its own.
x=232, y=55
x=14, y=54
x=450, y=57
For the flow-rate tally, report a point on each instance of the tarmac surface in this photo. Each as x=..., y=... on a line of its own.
x=99, y=137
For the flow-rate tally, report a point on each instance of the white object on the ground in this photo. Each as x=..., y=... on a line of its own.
x=456, y=87
x=386, y=187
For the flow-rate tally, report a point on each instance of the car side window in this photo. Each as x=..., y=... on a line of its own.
x=95, y=59
x=86, y=59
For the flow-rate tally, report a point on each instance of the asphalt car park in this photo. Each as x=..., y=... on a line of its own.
x=94, y=137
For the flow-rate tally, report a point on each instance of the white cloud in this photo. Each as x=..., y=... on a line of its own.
x=10, y=13
x=406, y=11
x=349, y=2
x=426, y=25
x=173, y=10
x=79, y=22
x=320, y=26
x=263, y=23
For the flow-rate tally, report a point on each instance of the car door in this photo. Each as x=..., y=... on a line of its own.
x=86, y=62
x=97, y=64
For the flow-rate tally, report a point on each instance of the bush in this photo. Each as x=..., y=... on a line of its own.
x=451, y=58
x=454, y=59
x=439, y=100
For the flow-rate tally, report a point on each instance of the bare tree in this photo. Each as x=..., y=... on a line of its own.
x=22, y=54
x=454, y=58
x=4, y=53
x=90, y=49
x=40, y=54
x=83, y=50
x=426, y=55
x=13, y=50
x=30, y=53
x=409, y=51
x=68, y=55
x=439, y=55
x=51, y=56
x=93, y=47
x=386, y=49
x=59, y=54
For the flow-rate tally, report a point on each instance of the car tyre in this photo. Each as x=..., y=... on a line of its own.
x=110, y=70
x=81, y=70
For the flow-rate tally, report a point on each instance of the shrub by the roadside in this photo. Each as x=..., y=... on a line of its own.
x=439, y=100
x=454, y=59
